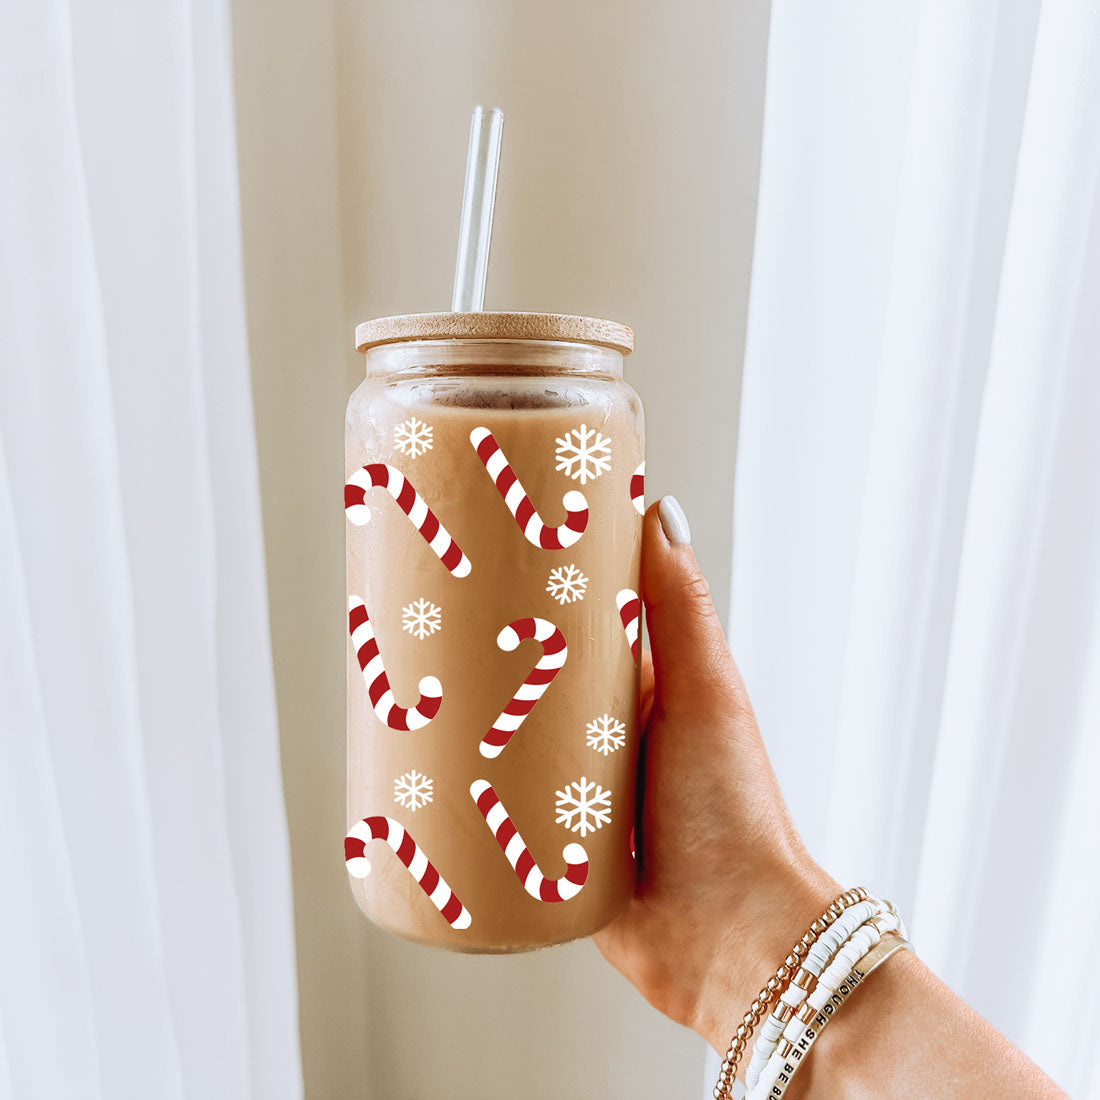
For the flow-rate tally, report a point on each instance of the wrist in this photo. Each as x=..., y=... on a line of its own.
x=778, y=903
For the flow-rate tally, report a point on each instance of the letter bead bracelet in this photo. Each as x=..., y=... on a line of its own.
x=853, y=936
x=773, y=988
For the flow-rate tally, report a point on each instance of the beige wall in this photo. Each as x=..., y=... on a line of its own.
x=627, y=191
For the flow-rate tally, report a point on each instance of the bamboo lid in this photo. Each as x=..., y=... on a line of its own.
x=494, y=326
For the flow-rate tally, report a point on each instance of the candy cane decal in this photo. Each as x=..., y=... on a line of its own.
x=637, y=489
x=519, y=504
x=554, y=652
x=629, y=608
x=523, y=863
x=382, y=475
x=412, y=855
x=378, y=683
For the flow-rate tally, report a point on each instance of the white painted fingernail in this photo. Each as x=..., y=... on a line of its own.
x=674, y=522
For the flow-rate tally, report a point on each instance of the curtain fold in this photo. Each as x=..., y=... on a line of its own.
x=149, y=879
x=916, y=578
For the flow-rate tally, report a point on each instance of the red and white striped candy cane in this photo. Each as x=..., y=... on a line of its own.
x=523, y=863
x=378, y=683
x=519, y=504
x=637, y=489
x=412, y=855
x=554, y=652
x=629, y=609
x=399, y=487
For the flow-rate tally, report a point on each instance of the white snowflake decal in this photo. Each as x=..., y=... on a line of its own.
x=413, y=437
x=605, y=734
x=421, y=618
x=566, y=584
x=583, y=453
x=412, y=790
x=583, y=806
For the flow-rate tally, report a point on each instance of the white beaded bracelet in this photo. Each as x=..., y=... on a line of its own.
x=779, y=1079
x=751, y=1020
x=842, y=974
x=777, y=1064
x=819, y=956
x=857, y=944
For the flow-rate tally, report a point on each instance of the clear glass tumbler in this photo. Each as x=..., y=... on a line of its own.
x=494, y=506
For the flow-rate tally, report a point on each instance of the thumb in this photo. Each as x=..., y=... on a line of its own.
x=689, y=648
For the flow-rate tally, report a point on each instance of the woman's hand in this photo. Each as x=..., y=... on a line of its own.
x=726, y=886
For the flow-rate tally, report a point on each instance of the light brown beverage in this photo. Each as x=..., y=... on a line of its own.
x=562, y=764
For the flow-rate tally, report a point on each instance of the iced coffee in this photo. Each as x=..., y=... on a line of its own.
x=493, y=506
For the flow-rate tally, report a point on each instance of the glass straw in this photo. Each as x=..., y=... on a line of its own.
x=482, y=162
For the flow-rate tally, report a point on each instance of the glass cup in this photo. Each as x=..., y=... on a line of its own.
x=494, y=506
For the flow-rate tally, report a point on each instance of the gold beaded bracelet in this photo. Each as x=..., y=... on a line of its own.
x=728, y=1071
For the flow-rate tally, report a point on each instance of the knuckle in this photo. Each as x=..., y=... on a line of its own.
x=691, y=592
x=695, y=589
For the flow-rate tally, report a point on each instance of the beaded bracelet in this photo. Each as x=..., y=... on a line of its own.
x=792, y=1044
x=793, y=1038
x=728, y=1070
x=774, y=1083
x=819, y=956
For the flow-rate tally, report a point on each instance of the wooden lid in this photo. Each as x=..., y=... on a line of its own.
x=494, y=326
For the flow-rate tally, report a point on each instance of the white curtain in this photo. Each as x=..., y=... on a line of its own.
x=146, y=944
x=916, y=577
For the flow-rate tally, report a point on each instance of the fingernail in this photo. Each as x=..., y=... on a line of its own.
x=674, y=522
